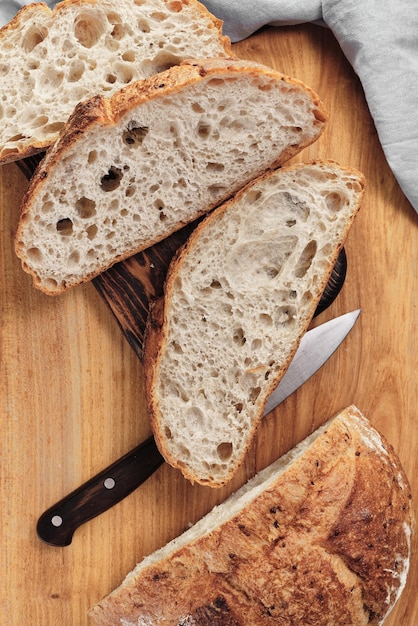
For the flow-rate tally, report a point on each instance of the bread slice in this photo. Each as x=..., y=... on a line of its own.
x=51, y=60
x=128, y=171
x=237, y=300
x=322, y=536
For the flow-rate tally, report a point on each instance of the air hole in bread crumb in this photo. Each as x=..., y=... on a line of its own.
x=307, y=297
x=111, y=79
x=134, y=135
x=215, y=284
x=33, y=64
x=88, y=29
x=163, y=61
x=123, y=72
x=265, y=87
x=143, y=25
x=47, y=207
x=39, y=121
x=175, y=6
x=335, y=201
x=177, y=347
x=266, y=319
x=92, y=157
x=203, y=130
x=74, y=258
x=215, y=167
x=111, y=180
x=215, y=82
x=85, y=207
x=168, y=433
x=129, y=56
x=118, y=32
x=64, y=226
x=254, y=393
x=197, y=108
x=252, y=196
x=305, y=259
x=195, y=415
x=239, y=337
x=159, y=204
x=34, y=254
x=54, y=127
x=76, y=70
x=18, y=137
x=216, y=190
x=284, y=315
x=271, y=271
x=224, y=450
x=256, y=344
x=51, y=284
x=180, y=183
x=92, y=232
x=33, y=37
x=159, y=16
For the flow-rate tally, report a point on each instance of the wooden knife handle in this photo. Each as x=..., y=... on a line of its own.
x=57, y=525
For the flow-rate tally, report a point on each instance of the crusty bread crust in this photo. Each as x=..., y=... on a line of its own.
x=25, y=69
x=167, y=352
x=101, y=115
x=322, y=536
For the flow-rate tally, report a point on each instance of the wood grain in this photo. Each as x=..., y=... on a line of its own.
x=71, y=389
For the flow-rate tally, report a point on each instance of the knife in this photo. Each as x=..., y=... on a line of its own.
x=57, y=525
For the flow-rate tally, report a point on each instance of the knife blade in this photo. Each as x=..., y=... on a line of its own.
x=57, y=524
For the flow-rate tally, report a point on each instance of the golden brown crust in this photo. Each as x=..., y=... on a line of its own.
x=329, y=541
x=157, y=328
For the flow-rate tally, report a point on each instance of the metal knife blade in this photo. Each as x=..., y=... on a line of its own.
x=317, y=345
x=57, y=525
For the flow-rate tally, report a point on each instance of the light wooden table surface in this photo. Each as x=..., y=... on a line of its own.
x=71, y=392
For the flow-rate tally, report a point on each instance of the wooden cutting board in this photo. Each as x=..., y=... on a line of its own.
x=71, y=391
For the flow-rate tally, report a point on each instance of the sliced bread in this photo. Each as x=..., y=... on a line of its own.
x=237, y=300
x=128, y=171
x=322, y=536
x=51, y=60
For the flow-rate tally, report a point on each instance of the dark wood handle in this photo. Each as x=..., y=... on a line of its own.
x=57, y=525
